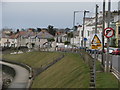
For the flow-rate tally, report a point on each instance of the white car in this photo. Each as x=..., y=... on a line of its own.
x=110, y=50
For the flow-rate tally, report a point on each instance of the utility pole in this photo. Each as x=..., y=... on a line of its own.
x=103, y=27
x=108, y=22
x=83, y=27
x=96, y=19
x=95, y=52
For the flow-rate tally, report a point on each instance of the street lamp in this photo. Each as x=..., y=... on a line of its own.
x=85, y=11
x=74, y=17
x=83, y=27
x=74, y=21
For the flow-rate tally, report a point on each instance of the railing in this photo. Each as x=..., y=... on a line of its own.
x=43, y=68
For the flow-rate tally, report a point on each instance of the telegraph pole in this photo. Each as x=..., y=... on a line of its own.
x=95, y=52
x=108, y=22
x=96, y=19
x=103, y=27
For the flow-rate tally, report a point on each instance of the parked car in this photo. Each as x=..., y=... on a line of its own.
x=111, y=50
x=116, y=51
x=100, y=51
x=105, y=50
x=92, y=51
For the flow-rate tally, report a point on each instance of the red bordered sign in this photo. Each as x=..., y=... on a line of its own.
x=108, y=32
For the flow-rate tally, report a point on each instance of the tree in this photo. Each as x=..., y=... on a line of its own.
x=18, y=31
x=51, y=30
x=75, y=28
x=38, y=29
x=70, y=35
x=66, y=42
x=67, y=29
x=50, y=40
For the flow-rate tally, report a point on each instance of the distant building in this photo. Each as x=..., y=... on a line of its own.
x=27, y=38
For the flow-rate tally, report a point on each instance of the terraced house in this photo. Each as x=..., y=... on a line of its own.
x=27, y=38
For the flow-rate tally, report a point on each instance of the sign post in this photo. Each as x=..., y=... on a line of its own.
x=85, y=39
x=95, y=44
x=108, y=33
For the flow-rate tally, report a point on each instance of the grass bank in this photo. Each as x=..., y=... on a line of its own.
x=34, y=59
x=70, y=72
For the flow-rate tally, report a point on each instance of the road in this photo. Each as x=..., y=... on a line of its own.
x=21, y=78
x=115, y=61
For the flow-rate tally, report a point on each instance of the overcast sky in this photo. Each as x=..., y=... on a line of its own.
x=41, y=14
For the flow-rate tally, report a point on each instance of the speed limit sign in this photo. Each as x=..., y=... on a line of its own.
x=108, y=32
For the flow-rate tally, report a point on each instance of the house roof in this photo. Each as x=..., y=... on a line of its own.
x=29, y=34
x=13, y=36
x=3, y=35
x=44, y=34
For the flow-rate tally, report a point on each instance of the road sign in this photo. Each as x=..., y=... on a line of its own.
x=85, y=39
x=108, y=32
x=96, y=43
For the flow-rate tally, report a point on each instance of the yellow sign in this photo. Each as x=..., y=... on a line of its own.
x=96, y=43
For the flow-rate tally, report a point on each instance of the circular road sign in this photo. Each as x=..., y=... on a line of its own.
x=108, y=32
x=85, y=39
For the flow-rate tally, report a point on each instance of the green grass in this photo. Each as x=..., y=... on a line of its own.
x=34, y=59
x=70, y=72
x=106, y=80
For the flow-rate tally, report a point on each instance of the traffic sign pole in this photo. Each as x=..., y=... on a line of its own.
x=107, y=58
x=108, y=32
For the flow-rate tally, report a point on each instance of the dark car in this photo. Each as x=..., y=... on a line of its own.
x=116, y=51
x=92, y=51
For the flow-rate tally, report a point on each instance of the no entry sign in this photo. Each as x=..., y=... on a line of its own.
x=108, y=32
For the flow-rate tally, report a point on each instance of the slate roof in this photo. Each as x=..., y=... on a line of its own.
x=44, y=35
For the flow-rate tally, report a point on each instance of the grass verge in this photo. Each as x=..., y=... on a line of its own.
x=34, y=59
x=70, y=72
x=105, y=80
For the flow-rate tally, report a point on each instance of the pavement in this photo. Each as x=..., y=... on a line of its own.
x=21, y=78
x=115, y=61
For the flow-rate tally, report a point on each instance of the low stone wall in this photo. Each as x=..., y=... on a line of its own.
x=8, y=75
x=17, y=63
x=31, y=75
x=8, y=70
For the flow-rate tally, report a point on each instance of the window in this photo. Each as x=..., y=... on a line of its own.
x=81, y=33
x=88, y=33
x=119, y=30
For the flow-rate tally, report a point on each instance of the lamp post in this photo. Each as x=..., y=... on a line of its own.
x=74, y=17
x=74, y=22
x=85, y=11
x=83, y=27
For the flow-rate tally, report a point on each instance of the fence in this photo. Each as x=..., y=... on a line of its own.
x=43, y=68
